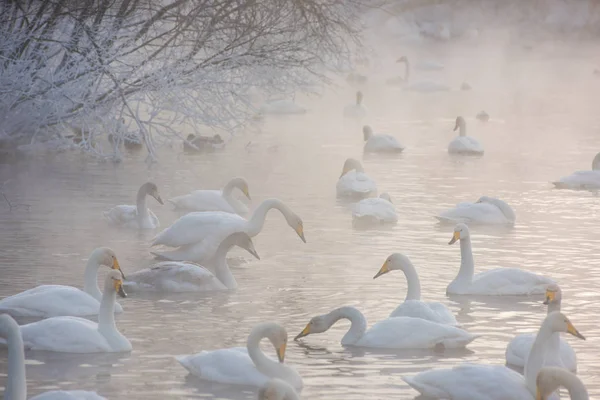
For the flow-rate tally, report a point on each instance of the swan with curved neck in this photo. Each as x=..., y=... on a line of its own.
x=181, y=276
x=582, y=180
x=496, y=282
x=391, y=333
x=198, y=234
x=485, y=211
x=422, y=86
x=549, y=379
x=277, y=389
x=562, y=355
x=79, y=335
x=16, y=385
x=456, y=382
x=463, y=144
x=138, y=216
x=58, y=300
x=353, y=181
x=214, y=200
x=380, y=143
x=246, y=366
x=375, y=211
x=413, y=306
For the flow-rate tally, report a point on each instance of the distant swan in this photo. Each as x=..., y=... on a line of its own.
x=356, y=110
x=214, y=200
x=380, y=143
x=582, y=180
x=485, y=211
x=353, y=182
x=463, y=144
x=423, y=86
x=138, y=216
x=374, y=211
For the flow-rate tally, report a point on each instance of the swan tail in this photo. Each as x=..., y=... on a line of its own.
x=423, y=388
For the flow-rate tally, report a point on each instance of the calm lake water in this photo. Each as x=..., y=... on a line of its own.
x=544, y=125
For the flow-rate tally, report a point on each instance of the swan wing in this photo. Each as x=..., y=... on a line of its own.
x=50, y=301
x=509, y=281
x=203, y=200
x=355, y=183
x=64, y=334
x=383, y=143
x=121, y=215
x=68, y=395
x=197, y=226
x=580, y=180
x=173, y=276
x=436, y=312
x=465, y=145
x=414, y=333
x=519, y=347
x=478, y=213
x=377, y=208
x=470, y=382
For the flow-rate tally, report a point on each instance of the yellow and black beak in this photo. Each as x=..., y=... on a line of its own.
x=119, y=288
x=383, y=270
x=538, y=394
x=300, y=232
x=246, y=193
x=550, y=296
x=281, y=352
x=116, y=266
x=571, y=329
x=455, y=237
x=305, y=332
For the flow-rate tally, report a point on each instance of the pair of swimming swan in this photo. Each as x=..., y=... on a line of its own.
x=477, y=381
x=58, y=300
x=463, y=144
x=69, y=334
x=380, y=143
x=136, y=216
x=353, y=182
x=182, y=276
x=582, y=180
x=16, y=384
x=374, y=211
x=198, y=235
x=214, y=200
x=485, y=211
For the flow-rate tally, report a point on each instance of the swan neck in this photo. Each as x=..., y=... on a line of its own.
x=227, y=189
x=91, y=278
x=358, y=323
x=462, y=129
x=413, y=284
x=16, y=386
x=257, y=221
x=553, y=306
x=537, y=355
x=467, y=264
x=406, y=70
x=140, y=203
x=260, y=360
x=576, y=388
x=106, y=316
x=222, y=270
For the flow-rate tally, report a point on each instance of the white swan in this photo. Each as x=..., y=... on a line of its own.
x=16, y=385
x=463, y=144
x=492, y=382
x=80, y=335
x=423, y=86
x=374, y=211
x=277, y=389
x=380, y=143
x=582, y=180
x=199, y=234
x=138, y=216
x=549, y=379
x=495, y=282
x=245, y=366
x=354, y=182
x=281, y=107
x=485, y=211
x=390, y=333
x=356, y=110
x=413, y=306
x=519, y=347
x=57, y=300
x=214, y=200
x=181, y=276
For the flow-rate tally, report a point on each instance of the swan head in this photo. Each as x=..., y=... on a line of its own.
x=558, y=322
x=402, y=59
x=7, y=326
x=367, y=132
x=114, y=281
x=596, y=162
x=275, y=389
x=461, y=231
x=386, y=196
x=396, y=261
x=107, y=257
x=553, y=294
x=241, y=239
x=277, y=335
x=318, y=324
x=359, y=97
x=241, y=184
x=151, y=189
x=351, y=164
x=295, y=222
x=460, y=123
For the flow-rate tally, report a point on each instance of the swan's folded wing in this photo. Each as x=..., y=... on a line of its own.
x=518, y=349
x=197, y=226
x=580, y=180
x=354, y=182
x=50, y=301
x=509, y=281
x=173, y=276
x=436, y=312
x=64, y=334
x=483, y=213
x=120, y=215
x=68, y=395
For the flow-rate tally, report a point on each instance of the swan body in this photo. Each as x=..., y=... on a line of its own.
x=390, y=333
x=214, y=200
x=483, y=116
x=136, y=216
x=203, y=144
x=356, y=110
x=422, y=86
x=354, y=182
x=57, y=300
x=277, y=389
x=248, y=365
x=15, y=384
x=582, y=180
x=549, y=379
x=495, y=282
x=374, y=211
x=485, y=211
x=519, y=347
x=80, y=335
x=463, y=144
x=181, y=276
x=198, y=235
x=413, y=306
x=380, y=143
x=493, y=382
x=281, y=107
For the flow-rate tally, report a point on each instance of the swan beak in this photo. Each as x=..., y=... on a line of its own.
x=157, y=197
x=281, y=352
x=300, y=232
x=247, y=193
x=571, y=329
x=456, y=126
x=252, y=251
x=305, y=332
x=119, y=288
x=455, y=237
x=538, y=394
x=384, y=270
x=118, y=267
x=550, y=295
